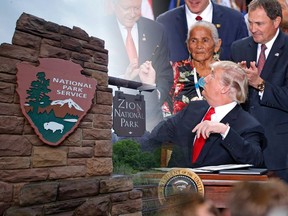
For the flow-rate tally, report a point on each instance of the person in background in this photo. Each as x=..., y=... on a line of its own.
x=138, y=51
x=226, y=135
x=268, y=198
x=264, y=58
x=229, y=23
x=284, y=22
x=189, y=204
x=203, y=45
x=239, y=5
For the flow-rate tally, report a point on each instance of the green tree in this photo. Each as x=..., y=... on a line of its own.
x=37, y=93
x=127, y=153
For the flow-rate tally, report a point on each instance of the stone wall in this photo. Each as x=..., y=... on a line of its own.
x=74, y=178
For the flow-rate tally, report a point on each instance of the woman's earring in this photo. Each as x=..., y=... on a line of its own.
x=216, y=56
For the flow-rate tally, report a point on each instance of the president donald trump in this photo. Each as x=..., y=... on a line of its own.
x=216, y=130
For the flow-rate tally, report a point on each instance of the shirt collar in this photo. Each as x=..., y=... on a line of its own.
x=206, y=15
x=222, y=111
x=269, y=45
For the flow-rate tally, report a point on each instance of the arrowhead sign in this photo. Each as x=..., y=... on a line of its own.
x=54, y=97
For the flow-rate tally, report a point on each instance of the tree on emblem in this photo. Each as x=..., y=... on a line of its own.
x=37, y=93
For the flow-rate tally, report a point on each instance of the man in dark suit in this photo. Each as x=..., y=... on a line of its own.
x=150, y=65
x=230, y=24
x=232, y=136
x=268, y=91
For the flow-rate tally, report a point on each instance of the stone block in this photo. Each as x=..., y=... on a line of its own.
x=80, y=152
x=135, y=194
x=14, y=145
x=119, y=197
x=62, y=206
x=51, y=42
x=8, y=109
x=47, y=51
x=67, y=172
x=7, y=91
x=23, y=175
x=101, y=109
x=79, y=33
x=77, y=161
x=7, y=163
x=78, y=188
x=26, y=40
x=103, y=148
x=73, y=139
x=8, y=65
x=81, y=57
x=98, y=67
x=116, y=184
x=97, y=134
x=6, y=192
x=97, y=42
x=49, y=156
x=104, y=98
x=71, y=44
x=7, y=78
x=18, y=52
x=38, y=193
x=11, y=124
x=99, y=166
x=26, y=211
x=98, y=206
x=102, y=78
x=88, y=143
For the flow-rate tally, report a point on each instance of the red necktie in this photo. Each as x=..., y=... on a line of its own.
x=262, y=58
x=198, y=18
x=199, y=142
x=130, y=46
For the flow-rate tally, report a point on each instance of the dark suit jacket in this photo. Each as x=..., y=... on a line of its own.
x=242, y=144
x=272, y=110
x=229, y=22
x=151, y=34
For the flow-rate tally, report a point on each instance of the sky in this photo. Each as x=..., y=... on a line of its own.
x=80, y=13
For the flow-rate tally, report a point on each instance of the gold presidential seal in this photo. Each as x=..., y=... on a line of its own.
x=178, y=181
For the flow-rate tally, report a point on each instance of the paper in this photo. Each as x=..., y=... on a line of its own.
x=221, y=167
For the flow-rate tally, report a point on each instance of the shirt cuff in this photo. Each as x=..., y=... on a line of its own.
x=226, y=132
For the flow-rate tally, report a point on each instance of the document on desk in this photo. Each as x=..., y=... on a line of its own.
x=221, y=167
x=247, y=171
x=209, y=169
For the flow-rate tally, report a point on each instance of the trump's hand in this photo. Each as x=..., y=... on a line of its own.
x=147, y=73
x=205, y=128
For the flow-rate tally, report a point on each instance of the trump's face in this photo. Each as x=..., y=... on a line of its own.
x=213, y=87
x=197, y=6
x=127, y=11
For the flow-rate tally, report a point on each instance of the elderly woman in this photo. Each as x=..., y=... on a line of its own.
x=204, y=46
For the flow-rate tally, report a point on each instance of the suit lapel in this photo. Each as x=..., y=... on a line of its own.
x=275, y=53
x=182, y=26
x=217, y=16
x=215, y=139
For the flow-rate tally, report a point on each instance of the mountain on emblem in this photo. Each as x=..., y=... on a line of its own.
x=53, y=102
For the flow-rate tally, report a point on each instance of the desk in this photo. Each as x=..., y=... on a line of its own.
x=216, y=186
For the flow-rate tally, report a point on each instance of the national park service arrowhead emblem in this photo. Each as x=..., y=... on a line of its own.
x=54, y=97
x=177, y=181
